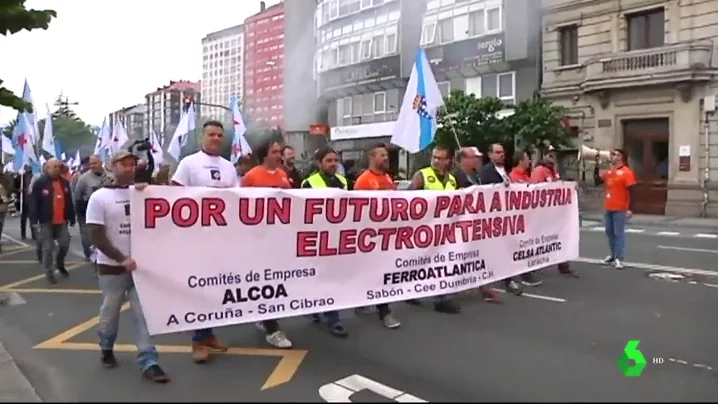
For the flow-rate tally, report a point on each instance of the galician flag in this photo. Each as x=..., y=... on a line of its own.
x=416, y=126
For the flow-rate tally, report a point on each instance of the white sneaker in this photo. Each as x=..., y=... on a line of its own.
x=608, y=260
x=260, y=326
x=618, y=264
x=278, y=340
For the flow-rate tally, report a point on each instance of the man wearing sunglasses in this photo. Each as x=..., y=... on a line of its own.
x=619, y=181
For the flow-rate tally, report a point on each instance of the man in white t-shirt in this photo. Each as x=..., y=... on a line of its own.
x=108, y=222
x=206, y=168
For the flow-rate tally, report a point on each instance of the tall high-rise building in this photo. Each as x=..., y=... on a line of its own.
x=264, y=64
x=222, y=69
x=164, y=106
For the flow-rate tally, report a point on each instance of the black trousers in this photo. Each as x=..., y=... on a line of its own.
x=24, y=220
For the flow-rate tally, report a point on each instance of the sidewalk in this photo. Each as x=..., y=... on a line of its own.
x=14, y=386
x=660, y=221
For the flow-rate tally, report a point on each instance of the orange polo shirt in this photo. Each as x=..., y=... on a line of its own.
x=519, y=175
x=617, y=181
x=58, y=202
x=372, y=181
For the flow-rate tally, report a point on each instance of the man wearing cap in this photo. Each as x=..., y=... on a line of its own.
x=108, y=221
x=467, y=176
x=52, y=209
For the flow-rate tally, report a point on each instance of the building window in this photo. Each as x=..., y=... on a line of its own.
x=428, y=34
x=477, y=23
x=379, y=103
x=366, y=49
x=377, y=46
x=493, y=19
x=365, y=4
x=568, y=45
x=446, y=30
x=345, y=106
x=444, y=88
x=506, y=87
x=646, y=29
x=390, y=43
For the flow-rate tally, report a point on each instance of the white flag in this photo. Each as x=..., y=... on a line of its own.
x=179, y=137
x=48, y=136
x=119, y=137
x=156, y=150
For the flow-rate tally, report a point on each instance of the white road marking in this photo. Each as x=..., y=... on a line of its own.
x=705, y=235
x=668, y=233
x=655, y=267
x=540, y=297
x=16, y=241
x=597, y=228
x=677, y=248
x=695, y=365
x=635, y=230
x=340, y=391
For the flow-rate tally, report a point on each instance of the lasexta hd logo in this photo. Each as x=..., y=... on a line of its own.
x=632, y=353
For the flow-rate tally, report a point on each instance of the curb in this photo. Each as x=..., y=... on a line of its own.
x=14, y=386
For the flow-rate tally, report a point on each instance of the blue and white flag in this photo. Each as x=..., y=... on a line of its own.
x=416, y=126
x=240, y=146
x=34, y=131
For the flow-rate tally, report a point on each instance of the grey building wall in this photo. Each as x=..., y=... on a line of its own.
x=300, y=90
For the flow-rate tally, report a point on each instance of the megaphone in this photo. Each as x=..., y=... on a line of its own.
x=588, y=153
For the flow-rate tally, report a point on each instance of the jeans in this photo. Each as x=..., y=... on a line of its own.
x=84, y=236
x=615, y=223
x=48, y=234
x=115, y=290
x=201, y=335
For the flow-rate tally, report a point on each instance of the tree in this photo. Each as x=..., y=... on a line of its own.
x=480, y=122
x=14, y=17
x=72, y=133
x=475, y=121
x=538, y=123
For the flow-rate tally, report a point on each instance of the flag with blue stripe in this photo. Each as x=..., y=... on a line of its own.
x=416, y=126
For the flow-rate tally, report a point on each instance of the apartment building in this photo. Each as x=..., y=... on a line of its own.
x=363, y=60
x=222, y=70
x=264, y=64
x=633, y=75
x=164, y=106
x=133, y=119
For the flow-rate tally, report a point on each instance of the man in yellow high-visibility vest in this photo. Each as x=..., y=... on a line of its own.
x=437, y=177
x=326, y=177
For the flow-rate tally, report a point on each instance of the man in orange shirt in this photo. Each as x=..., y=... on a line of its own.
x=376, y=178
x=269, y=174
x=619, y=183
x=52, y=209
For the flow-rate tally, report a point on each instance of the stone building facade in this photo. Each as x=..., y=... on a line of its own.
x=635, y=74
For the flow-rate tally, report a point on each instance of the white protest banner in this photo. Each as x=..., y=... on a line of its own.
x=213, y=257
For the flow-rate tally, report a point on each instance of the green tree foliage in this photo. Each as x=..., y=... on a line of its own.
x=14, y=17
x=71, y=131
x=481, y=122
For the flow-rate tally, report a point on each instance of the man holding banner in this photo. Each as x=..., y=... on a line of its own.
x=108, y=221
x=327, y=177
x=376, y=178
x=437, y=177
x=206, y=168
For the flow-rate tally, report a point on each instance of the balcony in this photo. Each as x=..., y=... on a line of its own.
x=674, y=63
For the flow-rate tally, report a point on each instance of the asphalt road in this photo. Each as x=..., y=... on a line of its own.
x=560, y=342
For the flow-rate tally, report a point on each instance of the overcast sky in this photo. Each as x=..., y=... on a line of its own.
x=108, y=54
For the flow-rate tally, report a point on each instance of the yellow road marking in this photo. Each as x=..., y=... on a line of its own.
x=282, y=373
x=37, y=277
x=11, y=251
x=59, y=291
